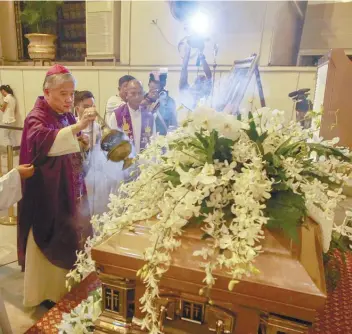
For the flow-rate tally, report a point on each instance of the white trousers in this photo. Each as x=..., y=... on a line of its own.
x=42, y=280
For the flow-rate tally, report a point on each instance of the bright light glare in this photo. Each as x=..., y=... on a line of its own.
x=200, y=23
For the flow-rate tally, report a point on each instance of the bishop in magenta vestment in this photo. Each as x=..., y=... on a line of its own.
x=54, y=200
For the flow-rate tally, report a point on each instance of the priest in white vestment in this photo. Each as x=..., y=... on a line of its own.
x=118, y=100
x=137, y=123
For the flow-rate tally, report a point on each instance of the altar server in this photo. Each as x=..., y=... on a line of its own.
x=54, y=219
x=138, y=125
x=10, y=185
x=83, y=100
x=11, y=193
x=102, y=175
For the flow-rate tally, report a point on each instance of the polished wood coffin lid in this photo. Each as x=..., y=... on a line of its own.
x=291, y=279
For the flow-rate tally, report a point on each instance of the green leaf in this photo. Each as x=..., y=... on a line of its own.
x=252, y=132
x=340, y=242
x=223, y=149
x=321, y=178
x=260, y=147
x=212, y=142
x=195, y=221
x=196, y=146
x=279, y=186
x=206, y=210
x=276, y=160
x=275, y=171
x=203, y=140
x=286, y=211
x=260, y=141
x=206, y=236
x=228, y=215
x=40, y=16
x=262, y=137
x=290, y=150
x=282, y=147
x=273, y=159
x=271, y=171
x=173, y=177
x=328, y=151
x=184, y=167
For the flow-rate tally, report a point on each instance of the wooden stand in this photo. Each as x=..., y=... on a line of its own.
x=99, y=58
x=42, y=61
x=283, y=298
x=333, y=93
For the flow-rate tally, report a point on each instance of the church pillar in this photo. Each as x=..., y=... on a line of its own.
x=125, y=39
x=8, y=30
x=282, y=31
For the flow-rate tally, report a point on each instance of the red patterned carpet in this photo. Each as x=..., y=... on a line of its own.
x=46, y=325
x=335, y=318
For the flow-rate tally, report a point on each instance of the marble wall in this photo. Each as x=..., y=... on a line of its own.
x=27, y=81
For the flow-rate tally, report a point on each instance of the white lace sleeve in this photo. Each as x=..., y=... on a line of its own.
x=65, y=143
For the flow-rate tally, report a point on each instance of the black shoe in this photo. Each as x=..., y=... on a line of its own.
x=49, y=304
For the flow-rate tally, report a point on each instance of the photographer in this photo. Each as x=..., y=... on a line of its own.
x=159, y=103
x=201, y=88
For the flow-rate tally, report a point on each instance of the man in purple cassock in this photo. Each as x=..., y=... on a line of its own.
x=54, y=219
x=136, y=122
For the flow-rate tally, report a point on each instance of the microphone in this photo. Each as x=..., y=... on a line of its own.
x=216, y=49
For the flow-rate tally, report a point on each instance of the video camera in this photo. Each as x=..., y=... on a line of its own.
x=300, y=96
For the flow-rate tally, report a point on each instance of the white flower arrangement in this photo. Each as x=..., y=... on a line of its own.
x=81, y=319
x=229, y=178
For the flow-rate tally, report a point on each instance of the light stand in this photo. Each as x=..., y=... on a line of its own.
x=215, y=53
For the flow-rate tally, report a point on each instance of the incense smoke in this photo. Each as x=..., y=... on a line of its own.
x=103, y=179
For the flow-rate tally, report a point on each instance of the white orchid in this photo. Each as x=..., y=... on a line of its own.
x=226, y=125
x=82, y=316
x=228, y=196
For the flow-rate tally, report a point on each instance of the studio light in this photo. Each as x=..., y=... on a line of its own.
x=199, y=23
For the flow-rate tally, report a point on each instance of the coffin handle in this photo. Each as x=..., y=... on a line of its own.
x=220, y=327
x=162, y=316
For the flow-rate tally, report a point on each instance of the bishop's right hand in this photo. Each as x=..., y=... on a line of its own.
x=88, y=116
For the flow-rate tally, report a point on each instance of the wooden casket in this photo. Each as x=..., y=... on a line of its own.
x=282, y=298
